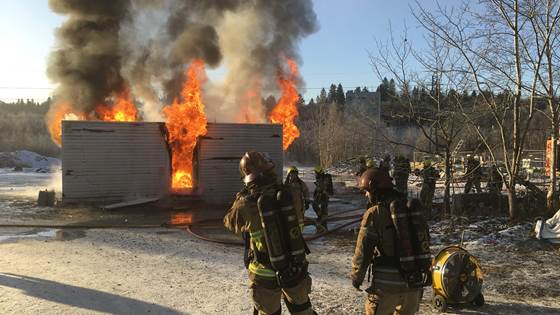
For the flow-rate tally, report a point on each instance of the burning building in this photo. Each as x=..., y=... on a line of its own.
x=121, y=67
x=108, y=162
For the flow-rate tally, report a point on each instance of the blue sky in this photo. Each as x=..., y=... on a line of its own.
x=336, y=53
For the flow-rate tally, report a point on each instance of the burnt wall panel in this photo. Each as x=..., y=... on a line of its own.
x=104, y=162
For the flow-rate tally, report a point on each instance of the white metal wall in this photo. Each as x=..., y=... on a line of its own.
x=105, y=162
x=221, y=149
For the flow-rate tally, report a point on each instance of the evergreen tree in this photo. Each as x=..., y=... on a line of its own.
x=392, y=88
x=331, y=98
x=340, y=99
x=311, y=102
x=322, y=98
x=358, y=90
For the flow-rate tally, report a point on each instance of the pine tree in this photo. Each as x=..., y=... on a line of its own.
x=311, y=102
x=331, y=98
x=340, y=99
x=322, y=98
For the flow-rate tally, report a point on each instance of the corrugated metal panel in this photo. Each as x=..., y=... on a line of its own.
x=222, y=147
x=113, y=161
x=110, y=162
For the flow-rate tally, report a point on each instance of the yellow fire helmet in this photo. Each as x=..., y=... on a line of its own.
x=318, y=169
x=293, y=169
x=370, y=163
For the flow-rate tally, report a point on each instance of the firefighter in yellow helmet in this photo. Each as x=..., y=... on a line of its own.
x=300, y=193
x=379, y=246
x=323, y=189
x=429, y=178
x=275, y=251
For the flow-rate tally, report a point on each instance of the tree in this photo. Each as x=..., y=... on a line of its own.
x=322, y=98
x=497, y=51
x=331, y=98
x=437, y=114
x=340, y=98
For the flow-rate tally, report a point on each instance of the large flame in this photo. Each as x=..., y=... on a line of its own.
x=285, y=111
x=61, y=111
x=186, y=121
x=123, y=108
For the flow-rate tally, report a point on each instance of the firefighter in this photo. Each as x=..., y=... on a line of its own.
x=300, y=193
x=362, y=166
x=370, y=164
x=386, y=163
x=323, y=188
x=268, y=283
x=376, y=245
x=429, y=177
x=496, y=181
x=473, y=174
x=400, y=174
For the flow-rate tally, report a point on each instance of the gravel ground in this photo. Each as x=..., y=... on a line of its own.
x=167, y=271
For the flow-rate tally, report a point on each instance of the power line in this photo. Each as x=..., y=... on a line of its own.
x=24, y=88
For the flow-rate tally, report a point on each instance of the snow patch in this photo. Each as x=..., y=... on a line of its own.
x=30, y=160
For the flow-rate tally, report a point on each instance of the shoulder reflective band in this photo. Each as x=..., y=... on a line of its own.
x=261, y=271
x=402, y=215
x=292, y=218
x=286, y=208
x=417, y=213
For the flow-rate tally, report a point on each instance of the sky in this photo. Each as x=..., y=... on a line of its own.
x=337, y=53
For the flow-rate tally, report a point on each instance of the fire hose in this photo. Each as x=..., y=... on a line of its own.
x=321, y=231
x=209, y=223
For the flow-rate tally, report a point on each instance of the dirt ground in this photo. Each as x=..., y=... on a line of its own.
x=169, y=271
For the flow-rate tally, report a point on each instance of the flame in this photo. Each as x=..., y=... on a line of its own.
x=186, y=121
x=285, y=111
x=58, y=112
x=123, y=108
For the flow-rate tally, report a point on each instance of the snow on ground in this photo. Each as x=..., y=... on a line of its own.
x=29, y=160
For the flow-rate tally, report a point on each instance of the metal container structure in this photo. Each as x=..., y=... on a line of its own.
x=220, y=150
x=107, y=162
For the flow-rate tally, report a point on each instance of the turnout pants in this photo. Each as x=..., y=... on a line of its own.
x=385, y=303
x=320, y=206
x=266, y=300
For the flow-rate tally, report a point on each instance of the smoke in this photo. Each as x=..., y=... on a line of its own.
x=255, y=41
x=146, y=45
x=86, y=61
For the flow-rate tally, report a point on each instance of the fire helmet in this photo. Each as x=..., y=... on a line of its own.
x=318, y=169
x=427, y=163
x=374, y=179
x=293, y=169
x=370, y=163
x=253, y=164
